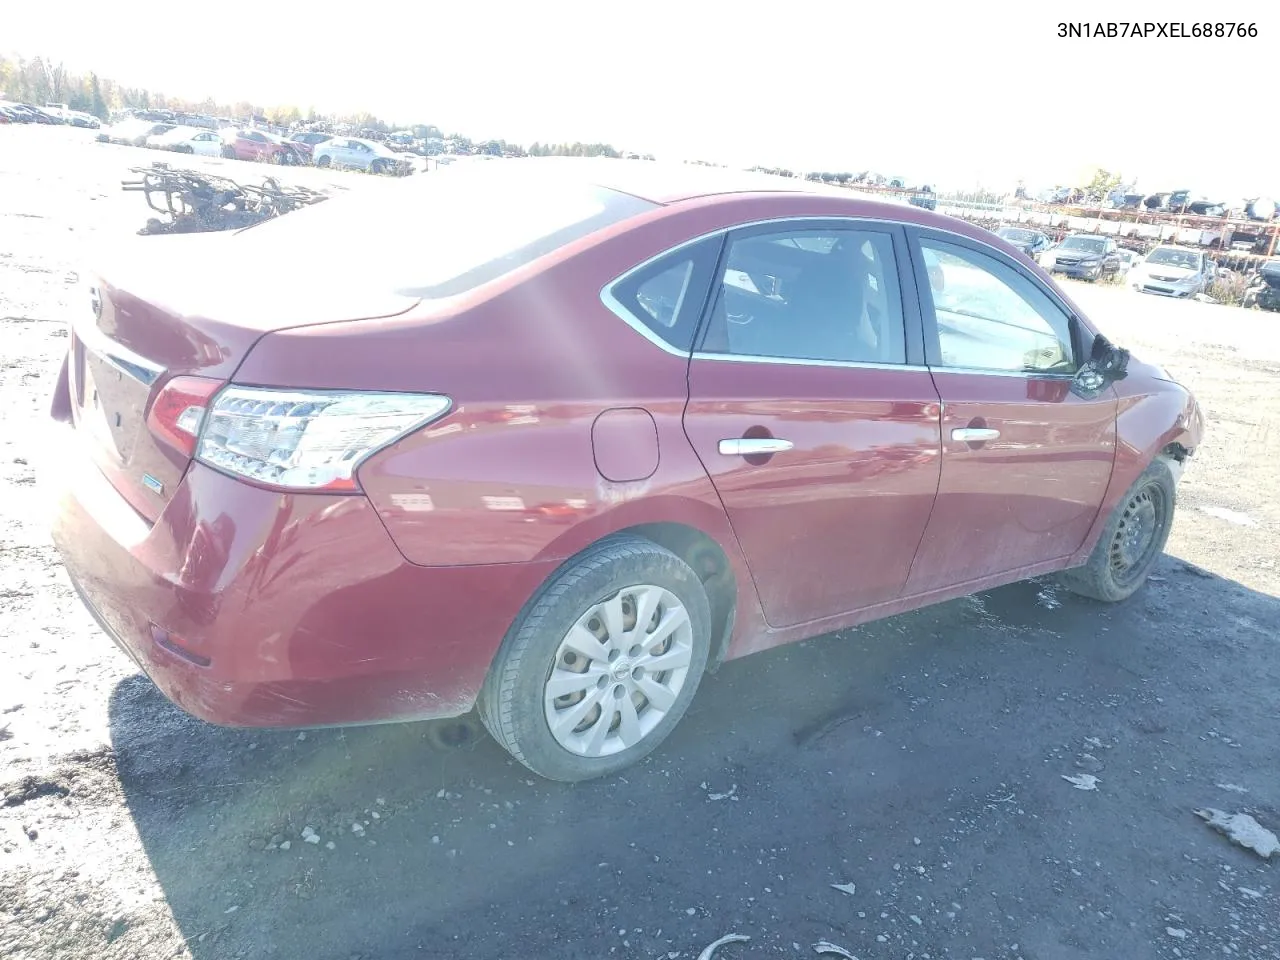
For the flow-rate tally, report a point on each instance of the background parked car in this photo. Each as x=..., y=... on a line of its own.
x=1030, y=242
x=1086, y=256
x=357, y=154
x=206, y=143
x=133, y=132
x=1264, y=289
x=245, y=144
x=1173, y=272
x=1128, y=259
x=307, y=142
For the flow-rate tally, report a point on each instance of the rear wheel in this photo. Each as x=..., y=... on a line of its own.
x=322, y=162
x=1131, y=542
x=602, y=664
x=229, y=153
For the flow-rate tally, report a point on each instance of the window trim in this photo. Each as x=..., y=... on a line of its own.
x=1080, y=335
x=909, y=277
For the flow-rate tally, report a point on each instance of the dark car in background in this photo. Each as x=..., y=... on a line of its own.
x=1030, y=242
x=1086, y=256
x=1264, y=290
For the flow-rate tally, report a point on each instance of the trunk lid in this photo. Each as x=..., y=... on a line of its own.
x=190, y=305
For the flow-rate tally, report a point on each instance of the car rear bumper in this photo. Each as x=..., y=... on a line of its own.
x=248, y=607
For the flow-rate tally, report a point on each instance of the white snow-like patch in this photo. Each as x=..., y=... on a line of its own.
x=1242, y=829
x=1231, y=516
x=1082, y=781
x=848, y=888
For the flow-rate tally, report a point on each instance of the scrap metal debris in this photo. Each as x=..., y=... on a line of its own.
x=1242, y=829
x=710, y=949
x=192, y=202
x=1082, y=781
x=825, y=947
x=848, y=888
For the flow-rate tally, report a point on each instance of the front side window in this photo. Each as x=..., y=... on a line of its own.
x=990, y=317
x=827, y=295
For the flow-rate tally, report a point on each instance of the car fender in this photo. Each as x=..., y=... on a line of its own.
x=1161, y=418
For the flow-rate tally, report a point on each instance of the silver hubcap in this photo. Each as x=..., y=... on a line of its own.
x=618, y=671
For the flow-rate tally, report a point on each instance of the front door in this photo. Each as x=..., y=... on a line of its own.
x=1025, y=460
x=811, y=410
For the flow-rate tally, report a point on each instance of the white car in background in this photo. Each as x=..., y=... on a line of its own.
x=195, y=140
x=1173, y=272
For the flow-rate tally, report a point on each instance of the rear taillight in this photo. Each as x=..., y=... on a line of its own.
x=178, y=411
x=307, y=440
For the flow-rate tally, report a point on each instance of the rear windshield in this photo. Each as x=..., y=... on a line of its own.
x=439, y=233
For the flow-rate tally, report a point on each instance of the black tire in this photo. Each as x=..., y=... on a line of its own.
x=511, y=703
x=378, y=167
x=184, y=148
x=1113, y=571
x=228, y=153
x=322, y=163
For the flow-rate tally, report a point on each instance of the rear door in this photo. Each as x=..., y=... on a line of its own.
x=814, y=416
x=1025, y=460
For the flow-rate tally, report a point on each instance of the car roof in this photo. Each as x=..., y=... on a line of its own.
x=666, y=182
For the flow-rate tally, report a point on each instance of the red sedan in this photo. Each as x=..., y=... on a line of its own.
x=598, y=428
x=260, y=145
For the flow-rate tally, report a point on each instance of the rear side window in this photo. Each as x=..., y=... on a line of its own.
x=438, y=235
x=800, y=294
x=666, y=296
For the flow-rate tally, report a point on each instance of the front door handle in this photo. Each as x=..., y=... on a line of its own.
x=974, y=434
x=749, y=446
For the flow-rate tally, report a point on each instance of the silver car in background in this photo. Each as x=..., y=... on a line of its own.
x=356, y=154
x=1173, y=272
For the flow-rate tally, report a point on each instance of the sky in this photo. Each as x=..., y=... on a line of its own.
x=957, y=95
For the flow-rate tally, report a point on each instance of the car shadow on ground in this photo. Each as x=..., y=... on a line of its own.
x=921, y=758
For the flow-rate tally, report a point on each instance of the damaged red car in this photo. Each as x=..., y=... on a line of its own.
x=574, y=433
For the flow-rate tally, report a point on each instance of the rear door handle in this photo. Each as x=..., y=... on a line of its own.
x=974, y=434
x=747, y=446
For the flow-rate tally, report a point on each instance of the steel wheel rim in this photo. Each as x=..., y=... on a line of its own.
x=1137, y=536
x=618, y=671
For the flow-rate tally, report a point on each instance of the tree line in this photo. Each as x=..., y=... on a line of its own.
x=39, y=81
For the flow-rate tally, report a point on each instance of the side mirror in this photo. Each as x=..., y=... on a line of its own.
x=1111, y=362
x=1107, y=363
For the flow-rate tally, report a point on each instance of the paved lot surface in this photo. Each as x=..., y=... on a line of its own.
x=919, y=760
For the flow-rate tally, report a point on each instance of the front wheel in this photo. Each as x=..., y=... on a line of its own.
x=602, y=664
x=1132, y=540
x=322, y=162
x=228, y=153
x=378, y=167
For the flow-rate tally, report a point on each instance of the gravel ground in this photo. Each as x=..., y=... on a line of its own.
x=919, y=760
